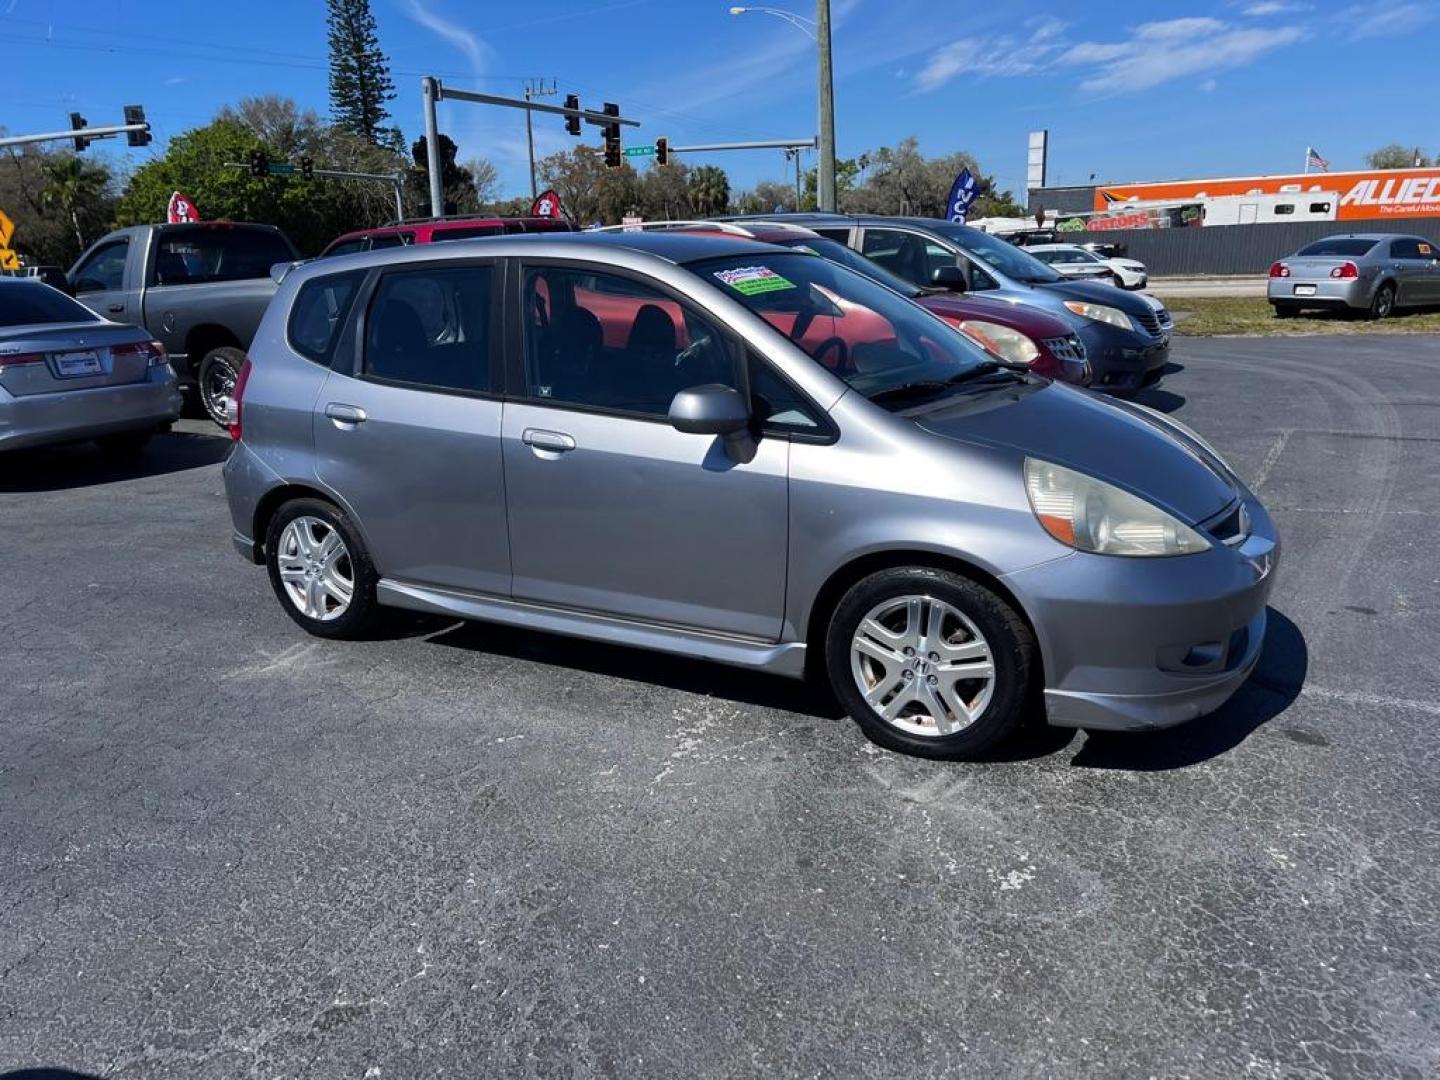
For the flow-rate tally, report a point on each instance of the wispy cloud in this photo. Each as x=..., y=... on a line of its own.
x=466, y=41
x=1275, y=7
x=1153, y=53
x=1368, y=21
x=1208, y=86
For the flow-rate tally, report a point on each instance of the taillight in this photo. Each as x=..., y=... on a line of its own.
x=238, y=400
x=1279, y=270
x=1345, y=270
x=152, y=351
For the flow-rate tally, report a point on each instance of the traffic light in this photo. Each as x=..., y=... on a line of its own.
x=307, y=168
x=77, y=123
x=662, y=151
x=259, y=163
x=612, y=136
x=135, y=114
x=572, y=123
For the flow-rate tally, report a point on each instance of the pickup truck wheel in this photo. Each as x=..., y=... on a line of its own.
x=219, y=369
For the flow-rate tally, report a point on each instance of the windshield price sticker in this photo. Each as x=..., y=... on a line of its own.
x=753, y=280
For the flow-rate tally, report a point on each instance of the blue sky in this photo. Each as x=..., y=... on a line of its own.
x=1142, y=91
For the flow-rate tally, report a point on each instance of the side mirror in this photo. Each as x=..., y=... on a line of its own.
x=713, y=409
x=950, y=277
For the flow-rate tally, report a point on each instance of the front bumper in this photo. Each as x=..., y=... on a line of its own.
x=1139, y=644
x=1328, y=292
x=1122, y=360
x=74, y=415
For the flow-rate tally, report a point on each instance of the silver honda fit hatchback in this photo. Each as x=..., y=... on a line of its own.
x=718, y=448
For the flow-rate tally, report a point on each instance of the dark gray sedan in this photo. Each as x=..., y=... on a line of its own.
x=67, y=375
x=1373, y=273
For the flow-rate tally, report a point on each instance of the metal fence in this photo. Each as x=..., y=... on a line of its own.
x=1240, y=249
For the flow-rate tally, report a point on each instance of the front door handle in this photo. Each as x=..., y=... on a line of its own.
x=345, y=415
x=556, y=442
x=115, y=309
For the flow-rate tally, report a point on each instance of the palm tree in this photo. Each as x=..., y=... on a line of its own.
x=709, y=190
x=70, y=185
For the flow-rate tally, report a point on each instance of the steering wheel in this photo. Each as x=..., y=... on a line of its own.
x=842, y=351
x=693, y=350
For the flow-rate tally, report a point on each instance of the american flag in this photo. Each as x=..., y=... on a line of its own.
x=1314, y=160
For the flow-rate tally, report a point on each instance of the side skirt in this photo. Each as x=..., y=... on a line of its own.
x=784, y=658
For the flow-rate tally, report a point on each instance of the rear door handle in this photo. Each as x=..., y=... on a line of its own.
x=115, y=309
x=556, y=442
x=344, y=415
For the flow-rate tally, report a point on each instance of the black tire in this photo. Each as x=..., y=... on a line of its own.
x=127, y=444
x=362, y=615
x=215, y=380
x=1011, y=646
x=1285, y=310
x=1384, y=303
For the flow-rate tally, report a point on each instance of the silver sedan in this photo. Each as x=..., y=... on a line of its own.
x=67, y=375
x=1373, y=273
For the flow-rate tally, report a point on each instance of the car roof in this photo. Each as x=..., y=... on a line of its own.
x=674, y=246
x=1050, y=247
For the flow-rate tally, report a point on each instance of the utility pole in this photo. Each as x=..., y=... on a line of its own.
x=430, y=94
x=825, y=172
x=532, y=90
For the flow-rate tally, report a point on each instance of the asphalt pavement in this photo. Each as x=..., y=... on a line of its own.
x=230, y=850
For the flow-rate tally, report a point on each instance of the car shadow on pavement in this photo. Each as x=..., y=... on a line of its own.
x=1272, y=686
x=77, y=465
x=643, y=665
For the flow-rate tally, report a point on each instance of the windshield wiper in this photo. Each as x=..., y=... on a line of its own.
x=922, y=387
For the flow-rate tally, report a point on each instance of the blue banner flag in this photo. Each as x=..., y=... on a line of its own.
x=962, y=193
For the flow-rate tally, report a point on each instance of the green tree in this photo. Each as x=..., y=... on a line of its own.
x=360, y=84
x=59, y=202
x=457, y=185
x=709, y=190
x=1396, y=156
x=664, y=193
x=70, y=186
x=588, y=190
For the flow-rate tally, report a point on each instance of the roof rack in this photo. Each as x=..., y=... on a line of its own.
x=660, y=226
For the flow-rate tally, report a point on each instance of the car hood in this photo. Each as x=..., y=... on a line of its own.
x=1097, y=293
x=1099, y=438
x=1028, y=320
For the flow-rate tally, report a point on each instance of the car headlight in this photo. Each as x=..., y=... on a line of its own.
x=1011, y=344
x=1097, y=517
x=1101, y=313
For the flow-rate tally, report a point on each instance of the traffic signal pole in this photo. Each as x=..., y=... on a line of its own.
x=85, y=133
x=279, y=168
x=432, y=92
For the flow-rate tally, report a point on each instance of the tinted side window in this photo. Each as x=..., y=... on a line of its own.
x=1281, y=209
x=319, y=312
x=776, y=405
x=346, y=247
x=1404, y=249
x=195, y=256
x=610, y=342
x=431, y=327
x=843, y=235
x=980, y=278
x=104, y=269
x=391, y=240
x=467, y=232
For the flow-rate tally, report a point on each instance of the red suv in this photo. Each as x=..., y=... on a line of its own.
x=430, y=232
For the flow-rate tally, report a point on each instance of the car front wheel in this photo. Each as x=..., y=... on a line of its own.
x=930, y=663
x=320, y=570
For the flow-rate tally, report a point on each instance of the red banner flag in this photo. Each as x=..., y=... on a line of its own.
x=181, y=209
x=546, y=205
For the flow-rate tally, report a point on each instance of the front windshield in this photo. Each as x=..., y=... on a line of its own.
x=848, y=256
x=861, y=331
x=998, y=254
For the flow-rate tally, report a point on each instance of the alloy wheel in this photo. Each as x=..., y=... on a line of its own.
x=217, y=389
x=922, y=665
x=315, y=568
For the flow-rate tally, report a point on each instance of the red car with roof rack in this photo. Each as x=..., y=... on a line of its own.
x=1017, y=333
x=432, y=230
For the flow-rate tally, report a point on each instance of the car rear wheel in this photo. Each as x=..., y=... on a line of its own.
x=1384, y=302
x=320, y=570
x=219, y=369
x=930, y=663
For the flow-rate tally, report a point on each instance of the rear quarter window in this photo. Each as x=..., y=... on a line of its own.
x=319, y=312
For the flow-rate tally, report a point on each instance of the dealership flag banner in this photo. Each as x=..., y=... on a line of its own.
x=1314, y=160
x=181, y=209
x=962, y=193
x=546, y=205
